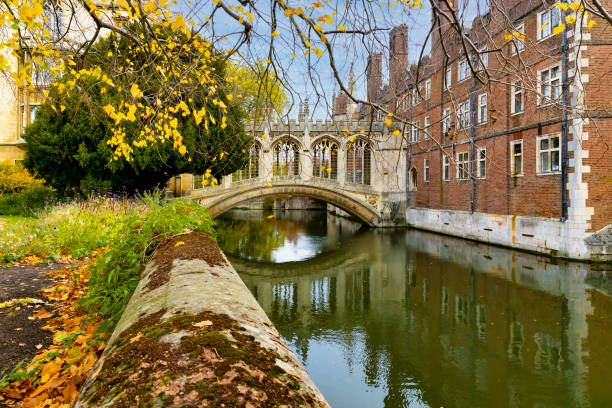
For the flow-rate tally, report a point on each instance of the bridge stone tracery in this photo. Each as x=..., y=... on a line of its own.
x=357, y=166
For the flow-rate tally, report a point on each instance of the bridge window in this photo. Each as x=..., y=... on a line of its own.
x=325, y=163
x=358, y=162
x=251, y=167
x=286, y=159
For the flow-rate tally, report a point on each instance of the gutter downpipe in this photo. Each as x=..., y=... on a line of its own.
x=409, y=166
x=564, y=120
x=473, y=118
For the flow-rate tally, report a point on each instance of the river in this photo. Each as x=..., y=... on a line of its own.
x=404, y=318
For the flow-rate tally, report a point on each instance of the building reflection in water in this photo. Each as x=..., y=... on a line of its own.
x=417, y=319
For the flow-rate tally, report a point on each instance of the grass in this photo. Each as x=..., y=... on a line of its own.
x=131, y=229
x=12, y=219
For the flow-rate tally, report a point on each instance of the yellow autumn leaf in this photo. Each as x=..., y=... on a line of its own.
x=179, y=243
x=270, y=216
x=275, y=33
x=558, y=29
x=388, y=122
x=396, y=132
x=591, y=23
x=182, y=150
x=341, y=28
x=135, y=91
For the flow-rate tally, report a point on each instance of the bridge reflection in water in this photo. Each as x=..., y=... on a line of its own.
x=416, y=319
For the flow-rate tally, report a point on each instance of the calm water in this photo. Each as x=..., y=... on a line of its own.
x=412, y=319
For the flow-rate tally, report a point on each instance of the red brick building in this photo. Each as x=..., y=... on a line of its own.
x=511, y=140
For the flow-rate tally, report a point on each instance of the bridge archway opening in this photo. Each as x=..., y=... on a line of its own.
x=286, y=158
x=358, y=162
x=325, y=159
x=361, y=211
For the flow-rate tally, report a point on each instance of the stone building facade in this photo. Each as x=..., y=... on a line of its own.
x=512, y=160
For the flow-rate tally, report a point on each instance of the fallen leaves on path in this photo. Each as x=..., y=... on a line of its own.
x=54, y=375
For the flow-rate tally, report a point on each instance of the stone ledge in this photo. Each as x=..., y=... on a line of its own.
x=193, y=335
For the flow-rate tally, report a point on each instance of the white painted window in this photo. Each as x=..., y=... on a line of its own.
x=448, y=80
x=547, y=21
x=426, y=170
x=549, y=154
x=516, y=157
x=481, y=165
x=482, y=108
x=463, y=115
x=517, y=97
x=463, y=70
x=416, y=98
x=463, y=163
x=518, y=38
x=446, y=167
x=426, y=127
x=427, y=93
x=415, y=131
x=484, y=57
x=550, y=84
x=446, y=120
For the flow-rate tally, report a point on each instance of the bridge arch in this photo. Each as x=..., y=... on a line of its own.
x=363, y=211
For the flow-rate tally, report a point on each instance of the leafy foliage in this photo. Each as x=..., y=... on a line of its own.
x=26, y=202
x=14, y=178
x=73, y=146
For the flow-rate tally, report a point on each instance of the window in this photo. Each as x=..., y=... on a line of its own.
x=446, y=165
x=427, y=94
x=416, y=98
x=416, y=127
x=463, y=165
x=426, y=128
x=325, y=160
x=53, y=16
x=548, y=154
x=413, y=180
x=482, y=108
x=550, y=85
x=463, y=71
x=446, y=120
x=547, y=21
x=358, y=162
x=463, y=115
x=519, y=44
x=448, y=78
x=426, y=170
x=481, y=168
x=405, y=102
x=516, y=157
x=286, y=159
x=484, y=57
x=517, y=97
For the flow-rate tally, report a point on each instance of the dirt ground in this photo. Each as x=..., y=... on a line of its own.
x=21, y=337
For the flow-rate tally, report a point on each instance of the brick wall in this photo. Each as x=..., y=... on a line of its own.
x=532, y=193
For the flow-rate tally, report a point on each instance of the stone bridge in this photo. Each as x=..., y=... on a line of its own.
x=359, y=167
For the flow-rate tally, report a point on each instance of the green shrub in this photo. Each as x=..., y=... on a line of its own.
x=14, y=178
x=27, y=202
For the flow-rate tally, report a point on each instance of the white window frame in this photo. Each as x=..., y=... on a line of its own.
x=463, y=165
x=463, y=115
x=484, y=57
x=426, y=127
x=482, y=114
x=542, y=100
x=463, y=71
x=426, y=170
x=445, y=167
x=519, y=44
x=481, y=162
x=513, y=155
x=548, y=30
x=428, y=89
x=549, y=152
x=415, y=132
x=446, y=120
x=513, y=92
x=448, y=78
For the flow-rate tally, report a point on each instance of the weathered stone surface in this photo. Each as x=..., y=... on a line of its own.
x=196, y=337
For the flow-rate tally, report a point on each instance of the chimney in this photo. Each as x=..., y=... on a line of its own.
x=398, y=56
x=374, y=75
x=444, y=26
